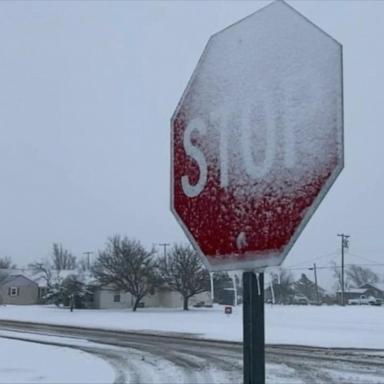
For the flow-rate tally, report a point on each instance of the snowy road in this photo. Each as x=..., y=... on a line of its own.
x=158, y=358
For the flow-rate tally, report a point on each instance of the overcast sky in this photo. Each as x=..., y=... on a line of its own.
x=87, y=90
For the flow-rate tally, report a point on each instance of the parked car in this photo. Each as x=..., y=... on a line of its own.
x=364, y=300
x=377, y=302
x=300, y=300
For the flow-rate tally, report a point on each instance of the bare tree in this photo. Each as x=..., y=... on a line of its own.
x=360, y=276
x=62, y=259
x=71, y=291
x=128, y=266
x=6, y=263
x=83, y=264
x=307, y=287
x=337, y=275
x=44, y=269
x=183, y=271
x=283, y=286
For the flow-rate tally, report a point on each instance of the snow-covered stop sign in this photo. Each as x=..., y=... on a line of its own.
x=257, y=138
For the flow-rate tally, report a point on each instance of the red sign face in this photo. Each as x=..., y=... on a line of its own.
x=257, y=138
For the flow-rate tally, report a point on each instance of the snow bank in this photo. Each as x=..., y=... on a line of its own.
x=326, y=326
x=24, y=362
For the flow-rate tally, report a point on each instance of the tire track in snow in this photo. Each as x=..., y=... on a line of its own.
x=174, y=359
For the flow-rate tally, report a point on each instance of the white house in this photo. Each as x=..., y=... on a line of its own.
x=107, y=297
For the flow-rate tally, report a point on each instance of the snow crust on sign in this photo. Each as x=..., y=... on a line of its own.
x=267, y=98
x=271, y=87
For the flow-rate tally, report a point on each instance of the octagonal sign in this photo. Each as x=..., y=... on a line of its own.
x=257, y=138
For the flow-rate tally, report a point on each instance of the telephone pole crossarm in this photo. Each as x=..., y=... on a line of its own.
x=164, y=245
x=88, y=254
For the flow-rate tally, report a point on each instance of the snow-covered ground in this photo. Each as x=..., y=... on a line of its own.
x=325, y=326
x=24, y=362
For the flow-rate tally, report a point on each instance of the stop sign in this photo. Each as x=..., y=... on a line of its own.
x=257, y=138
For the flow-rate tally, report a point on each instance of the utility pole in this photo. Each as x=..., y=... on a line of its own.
x=164, y=245
x=271, y=276
x=212, y=288
x=88, y=254
x=317, y=287
x=344, y=244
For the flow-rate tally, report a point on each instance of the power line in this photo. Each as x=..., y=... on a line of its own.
x=314, y=259
x=363, y=258
x=333, y=266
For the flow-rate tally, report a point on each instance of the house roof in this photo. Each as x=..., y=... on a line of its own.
x=379, y=286
x=11, y=278
x=40, y=279
x=41, y=282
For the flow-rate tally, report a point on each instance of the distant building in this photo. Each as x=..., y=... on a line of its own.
x=107, y=297
x=22, y=287
x=18, y=290
x=351, y=293
x=374, y=290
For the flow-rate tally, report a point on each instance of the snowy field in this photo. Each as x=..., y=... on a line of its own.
x=325, y=326
x=24, y=362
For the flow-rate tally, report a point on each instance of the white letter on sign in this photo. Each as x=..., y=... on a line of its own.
x=194, y=152
x=253, y=170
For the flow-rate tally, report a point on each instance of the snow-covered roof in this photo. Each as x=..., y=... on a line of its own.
x=379, y=286
x=17, y=277
x=41, y=282
x=40, y=277
x=354, y=290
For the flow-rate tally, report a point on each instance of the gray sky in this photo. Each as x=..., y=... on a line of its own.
x=87, y=92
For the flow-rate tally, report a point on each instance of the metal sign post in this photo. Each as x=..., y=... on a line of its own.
x=253, y=328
